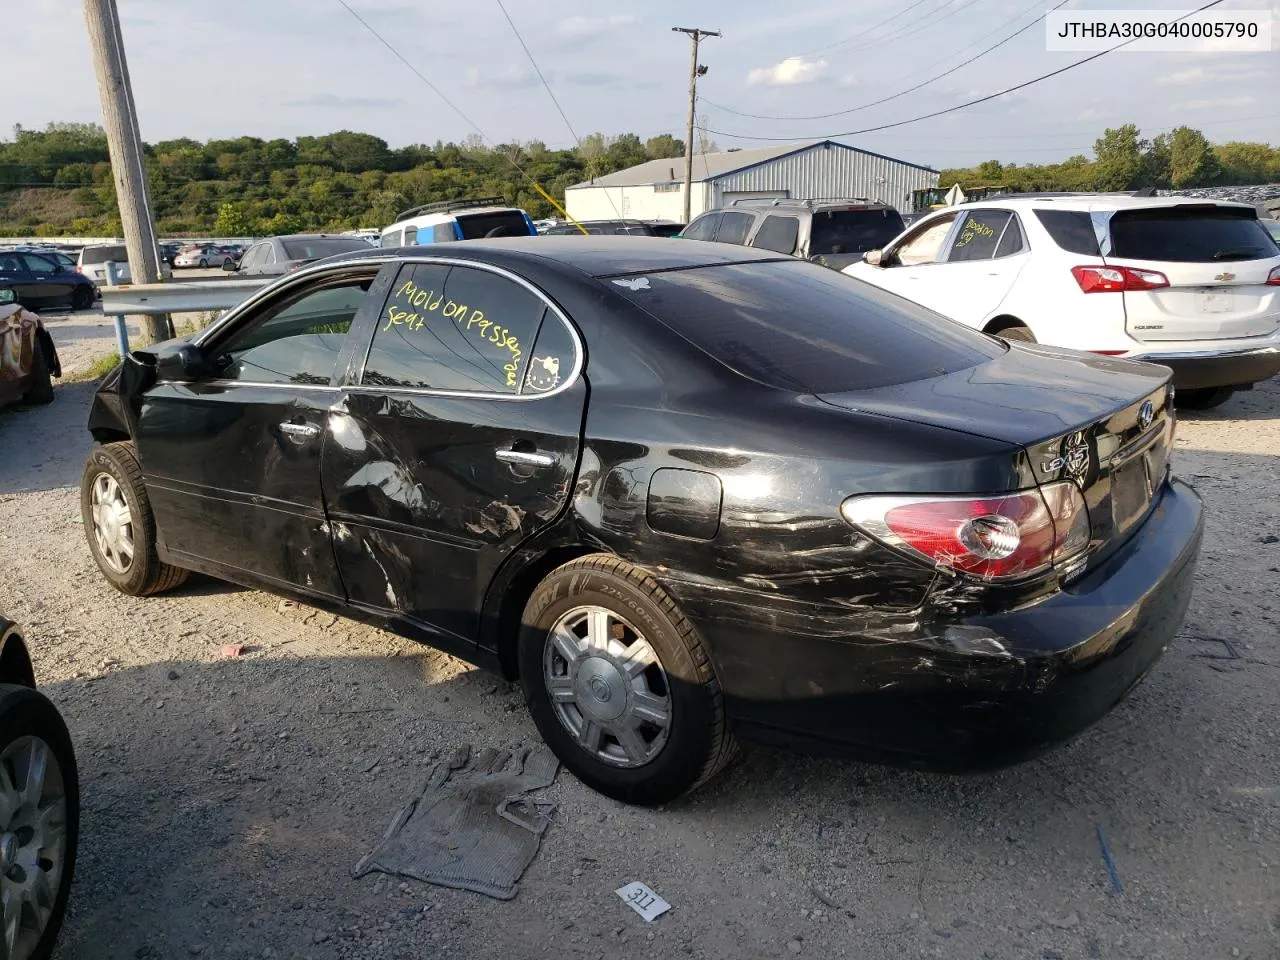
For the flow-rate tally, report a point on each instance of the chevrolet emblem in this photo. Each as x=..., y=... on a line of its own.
x=1225, y=276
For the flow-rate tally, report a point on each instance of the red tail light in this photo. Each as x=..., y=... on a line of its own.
x=1001, y=537
x=1117, y=279
x=1273, y=278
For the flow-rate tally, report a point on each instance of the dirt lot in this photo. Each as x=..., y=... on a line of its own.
x=226, y=801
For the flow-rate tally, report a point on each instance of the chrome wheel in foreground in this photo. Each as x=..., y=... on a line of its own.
x=112, y=523
x=33, y=843
x=607, y=686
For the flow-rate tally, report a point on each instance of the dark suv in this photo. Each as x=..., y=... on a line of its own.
x=834, y=233
x=628, y=228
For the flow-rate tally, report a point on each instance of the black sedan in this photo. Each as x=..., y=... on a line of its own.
x=683, y=492
x=40, y=280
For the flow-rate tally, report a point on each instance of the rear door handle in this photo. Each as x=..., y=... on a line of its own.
x=525, y=458
x=302, y=431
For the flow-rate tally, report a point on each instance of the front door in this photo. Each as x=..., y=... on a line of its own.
x=456, y=440
x=907, y=269
x=50, y=283
x=232, y=461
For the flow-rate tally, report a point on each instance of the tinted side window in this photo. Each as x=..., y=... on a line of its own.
x=734, y=228
x=297, y=341
x=410, y=236
x=392, y=238
x=1072, y=230
x=453, y=328
x=704, y=228
x=268, y=254
x=778, y=234
x=797, y=326
x=38, y=264
x=979, y=234
x=9, y=263
x=1012, y=241
x=552, y=357
x=443, y=232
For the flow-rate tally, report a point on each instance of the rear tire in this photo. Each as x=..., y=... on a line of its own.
x=82, y=298
x=1204, y=398
x=204, y=264
x=41, y=389
x=119, y=525
x=641, y=717
x=40, y=837
x=1019, y=333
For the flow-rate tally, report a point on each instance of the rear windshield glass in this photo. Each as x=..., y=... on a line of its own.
x=321, y=247
x=798, y=326
x=1206, y=235
x=103, y=254
x=508, y=223
x=853, y=231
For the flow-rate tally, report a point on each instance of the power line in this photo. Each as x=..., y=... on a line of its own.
x=969, y=103
x=908, y=31
x=871, y=29
x=901, y=93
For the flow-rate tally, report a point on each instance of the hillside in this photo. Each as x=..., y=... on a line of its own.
x=58, y=180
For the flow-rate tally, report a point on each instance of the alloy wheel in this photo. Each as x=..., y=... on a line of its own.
x=33, y=843
x=607, y=686
x=112, y=523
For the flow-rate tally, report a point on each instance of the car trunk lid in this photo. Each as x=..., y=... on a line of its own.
x=1105, y=424
x=1217, y=260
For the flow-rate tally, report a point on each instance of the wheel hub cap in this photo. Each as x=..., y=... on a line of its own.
x=112, y=523
x=607, y=686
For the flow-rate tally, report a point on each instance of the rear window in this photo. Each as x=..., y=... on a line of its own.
x=665, y=229
x=321, y=247
x=508, y=223
x=1072, y=230
x=103, y=254
x=1181, y=235
x=853, y=231
x=798, y=326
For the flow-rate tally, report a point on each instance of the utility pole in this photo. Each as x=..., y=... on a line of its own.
x=695, y=34
x=124, y=141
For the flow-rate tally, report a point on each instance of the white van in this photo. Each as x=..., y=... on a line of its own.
x=451, y=220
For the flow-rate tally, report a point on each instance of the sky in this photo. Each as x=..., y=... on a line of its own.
x=285, y=68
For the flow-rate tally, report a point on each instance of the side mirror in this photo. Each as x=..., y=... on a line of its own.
x=874, y=257
x=229, y=264
x=181, y=361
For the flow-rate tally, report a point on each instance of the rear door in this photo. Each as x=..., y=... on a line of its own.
x=50, y=283
x=455, y=440
x=986, y=253
x=1216, y=259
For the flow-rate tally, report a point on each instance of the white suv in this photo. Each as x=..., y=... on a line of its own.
x=1191, y=284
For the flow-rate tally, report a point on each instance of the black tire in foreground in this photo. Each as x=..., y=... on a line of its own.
x=1203, y=398
x=82, y=298
x=619, y=684
x=39, y=822
x=119, y=524
x=41, y=389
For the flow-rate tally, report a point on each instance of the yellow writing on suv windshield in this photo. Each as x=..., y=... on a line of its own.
x=411, y=305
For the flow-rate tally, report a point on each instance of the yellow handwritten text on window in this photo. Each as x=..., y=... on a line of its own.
x=411, y=302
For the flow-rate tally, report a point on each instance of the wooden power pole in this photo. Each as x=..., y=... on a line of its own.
x=124, y=140
x=695, y=71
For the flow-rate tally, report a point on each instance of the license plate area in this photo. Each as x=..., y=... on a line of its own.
x=1214, y=300
x=1130, y=492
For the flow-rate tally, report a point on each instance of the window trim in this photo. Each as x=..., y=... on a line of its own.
x=960, y=219
x=944, y=248
x=549, y=306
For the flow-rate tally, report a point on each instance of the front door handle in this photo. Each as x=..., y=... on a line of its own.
x=302, y=431
x=525, y=458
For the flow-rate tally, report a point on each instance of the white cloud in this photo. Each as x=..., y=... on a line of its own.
x=1215, y=103
x=1183, y=77
x=790, y=71
x=513, y=78
x=577, y=28
x=849, y=80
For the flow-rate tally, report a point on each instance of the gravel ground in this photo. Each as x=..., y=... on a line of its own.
x=226, y=801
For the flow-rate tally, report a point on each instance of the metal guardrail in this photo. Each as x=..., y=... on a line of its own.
x=184, y=297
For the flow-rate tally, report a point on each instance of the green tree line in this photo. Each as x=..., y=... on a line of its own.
x=58, y=180
x=1123, y=160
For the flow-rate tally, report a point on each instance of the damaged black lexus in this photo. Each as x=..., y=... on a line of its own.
x=684, y=492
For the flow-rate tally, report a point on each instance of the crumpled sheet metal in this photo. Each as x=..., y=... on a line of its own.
x=17, y=341
x=473, y=825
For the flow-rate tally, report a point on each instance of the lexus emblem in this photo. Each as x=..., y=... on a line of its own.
x=1146, y=414
x=1225, y=276
x=1074, y=457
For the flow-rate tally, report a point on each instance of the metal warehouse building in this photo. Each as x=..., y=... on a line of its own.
x=818, y=168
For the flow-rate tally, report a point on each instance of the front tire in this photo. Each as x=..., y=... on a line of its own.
x=41, y=389
x=82, y=298
x=39, y=822
x=204, y=264
x=1203, y=398
x=619, y=684
x=119, y=525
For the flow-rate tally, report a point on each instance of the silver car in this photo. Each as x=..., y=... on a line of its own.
x=202, y=255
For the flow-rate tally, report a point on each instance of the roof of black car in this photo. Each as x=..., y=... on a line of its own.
x=596, y=256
